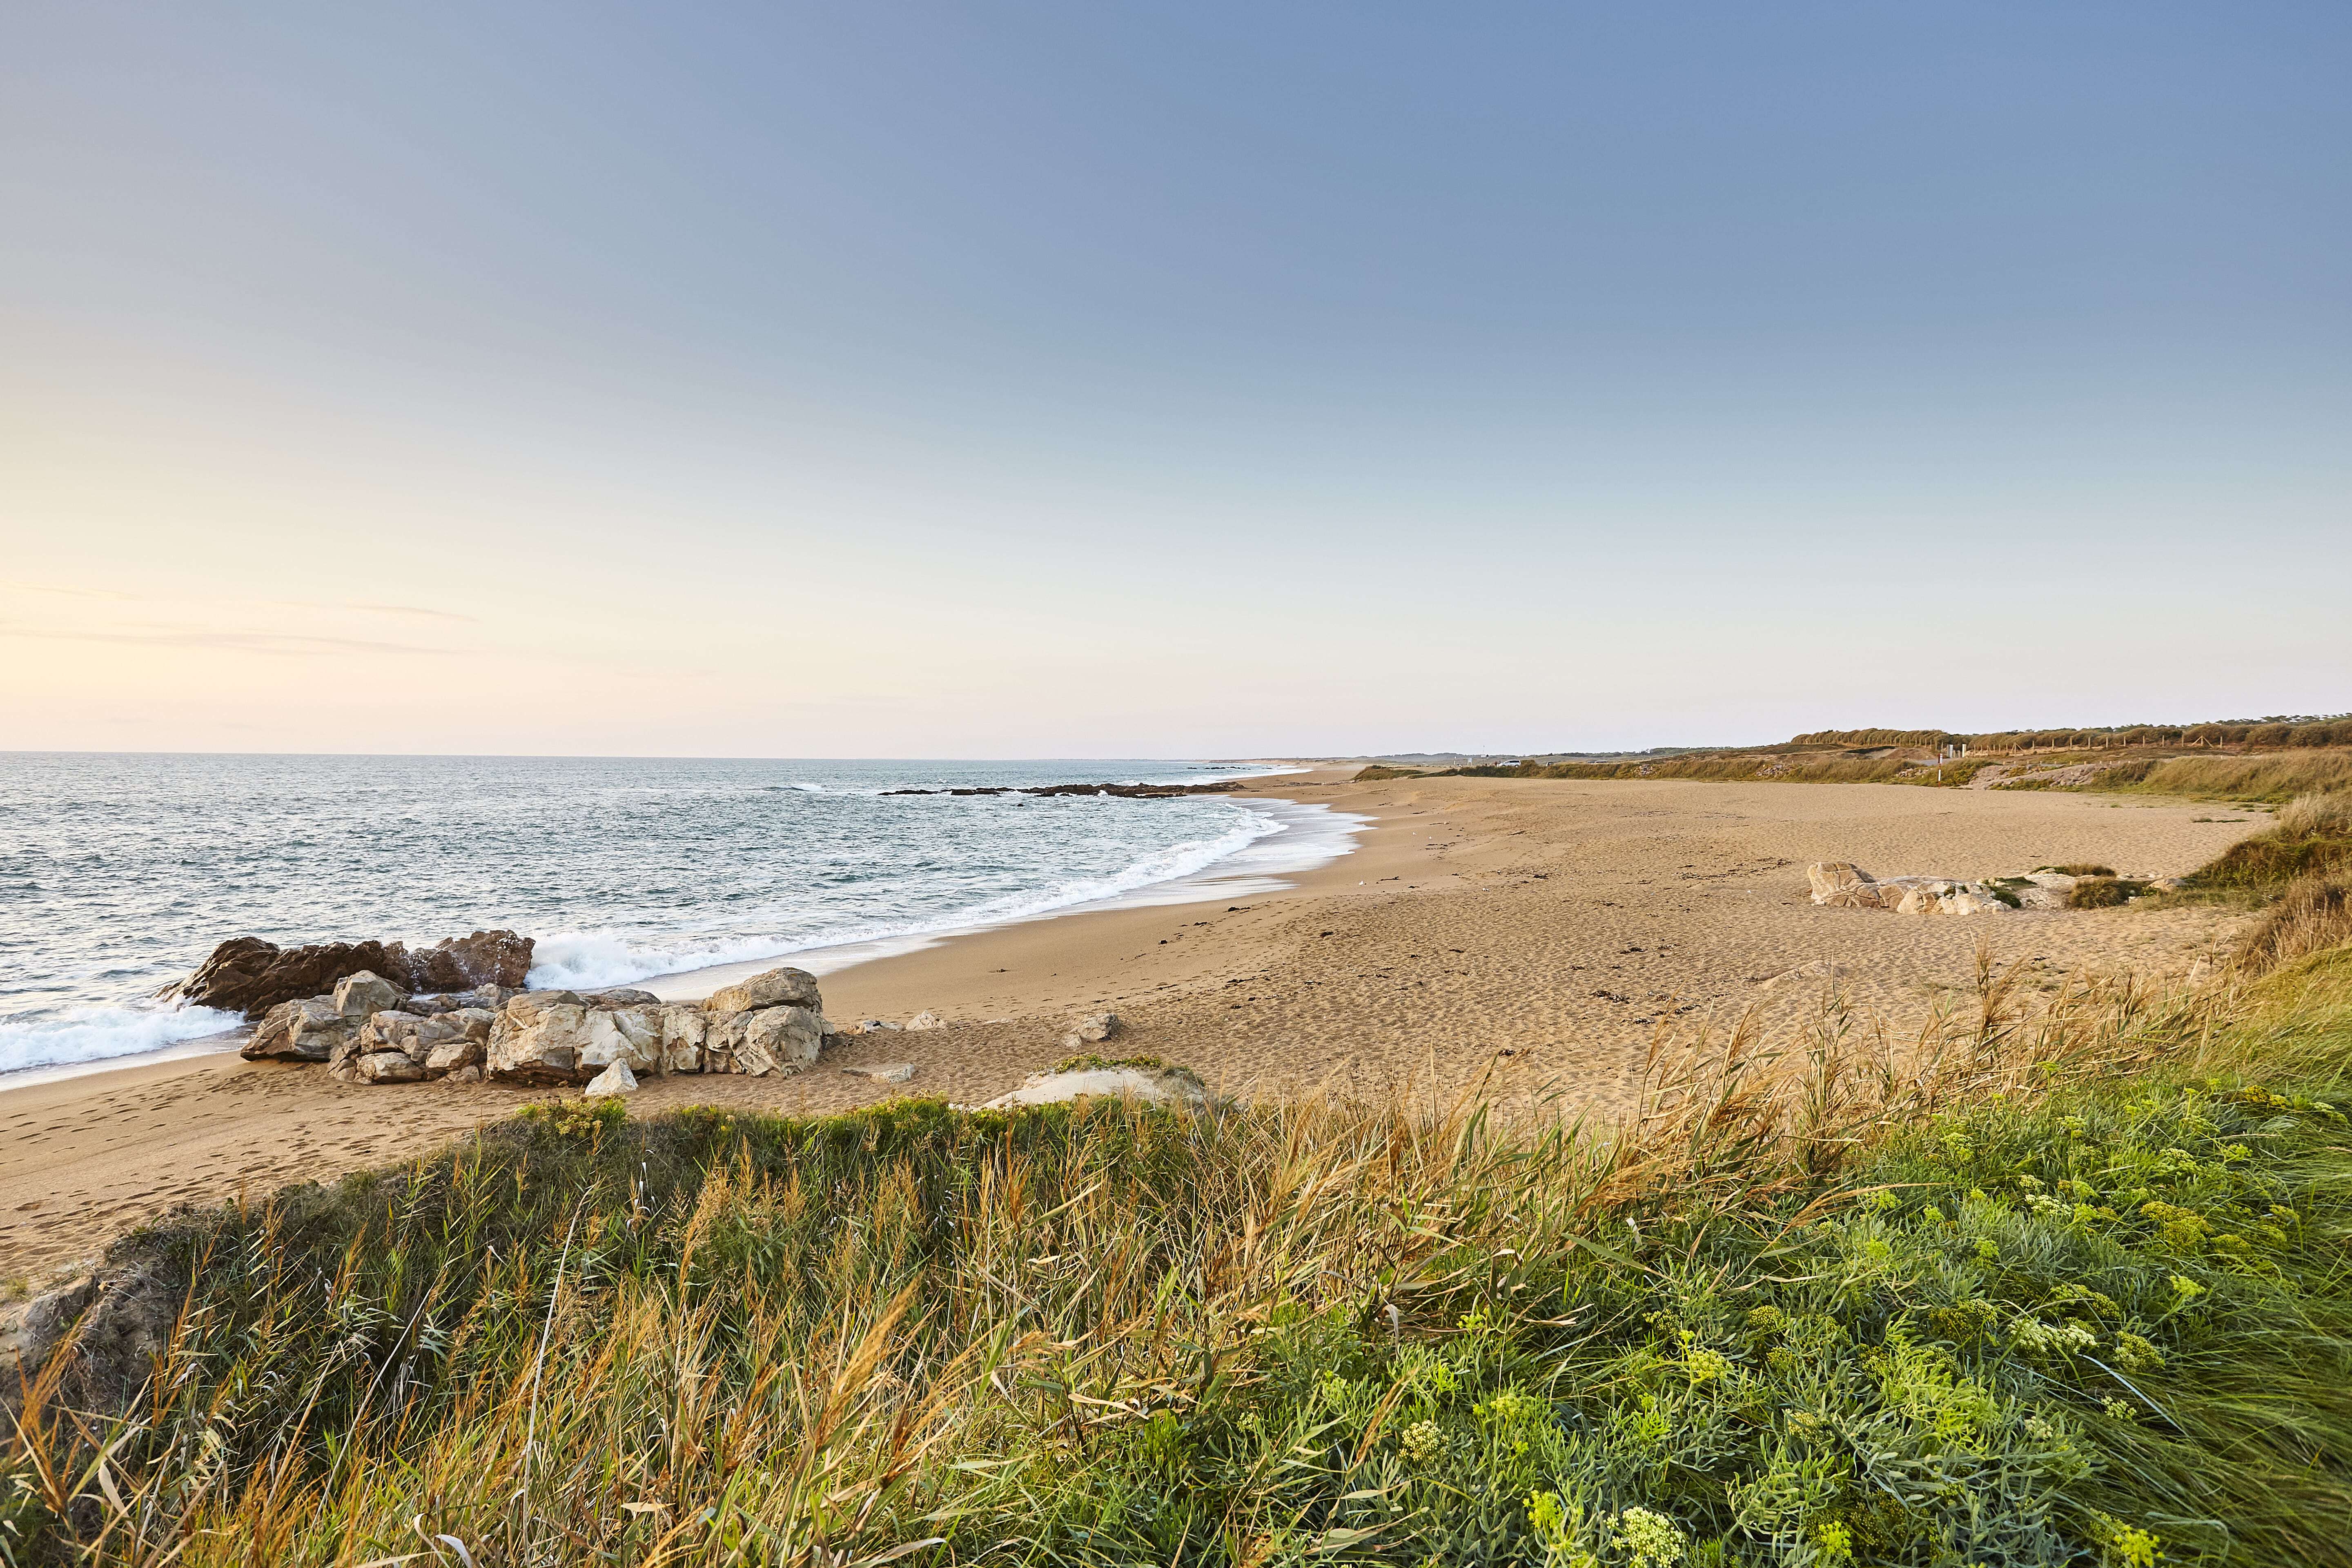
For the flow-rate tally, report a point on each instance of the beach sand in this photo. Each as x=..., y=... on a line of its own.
x=1524, y=938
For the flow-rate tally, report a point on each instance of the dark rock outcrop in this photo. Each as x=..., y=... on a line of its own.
x=460, y=963
x=245, y=974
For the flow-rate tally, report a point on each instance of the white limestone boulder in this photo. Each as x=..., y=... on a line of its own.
x=301, y=1031
x=631, y=1033
x=1175, y=1088
x=684, y=1027
x=784, y=987
x=1841, y=884
x=389, y=1067
x=537, y=1038
x=1093, y=1031
x=768, y=1041
x=615, y=1079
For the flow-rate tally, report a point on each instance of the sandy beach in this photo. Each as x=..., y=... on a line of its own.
x=1528, y=935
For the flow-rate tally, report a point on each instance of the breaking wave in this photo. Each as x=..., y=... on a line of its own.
x=95, y=1034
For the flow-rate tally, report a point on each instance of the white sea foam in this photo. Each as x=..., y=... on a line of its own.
x=94, y=1033
x=588, y=958
x=571, y=960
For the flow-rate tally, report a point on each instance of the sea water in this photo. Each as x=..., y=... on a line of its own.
x=119, y=873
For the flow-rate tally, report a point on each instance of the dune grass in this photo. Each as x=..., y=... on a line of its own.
x=1728, y=765
x=2311, y=838
x=2071, y=1290
x=2270, y=779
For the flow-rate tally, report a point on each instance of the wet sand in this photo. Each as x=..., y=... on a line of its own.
x=1527, y=936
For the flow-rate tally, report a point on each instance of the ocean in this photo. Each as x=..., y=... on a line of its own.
x=119, y=873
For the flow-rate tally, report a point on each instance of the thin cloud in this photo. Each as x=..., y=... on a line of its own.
x=412, y=610
x=418, y=612
x=283, y=644
x=20, y=587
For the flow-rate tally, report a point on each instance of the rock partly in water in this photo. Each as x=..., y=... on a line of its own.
x=499, y=958
x=249, y=975
x=1173, y=1087
x=245, y=974
x=615, y=1079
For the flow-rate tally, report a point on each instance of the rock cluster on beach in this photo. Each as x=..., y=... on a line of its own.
x=369, y=1031
x=1841, y=884
x=249, y=975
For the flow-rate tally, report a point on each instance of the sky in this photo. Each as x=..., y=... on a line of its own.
x=1186, y=379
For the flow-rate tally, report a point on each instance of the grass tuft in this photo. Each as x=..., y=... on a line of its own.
x=2103, y=892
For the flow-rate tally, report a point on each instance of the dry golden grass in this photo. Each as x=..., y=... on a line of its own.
x=2274, y=777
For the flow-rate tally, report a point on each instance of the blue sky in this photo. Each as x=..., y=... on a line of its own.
x=1121, y=379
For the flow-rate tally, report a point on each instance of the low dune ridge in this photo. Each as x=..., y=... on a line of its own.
x=1525, y=938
